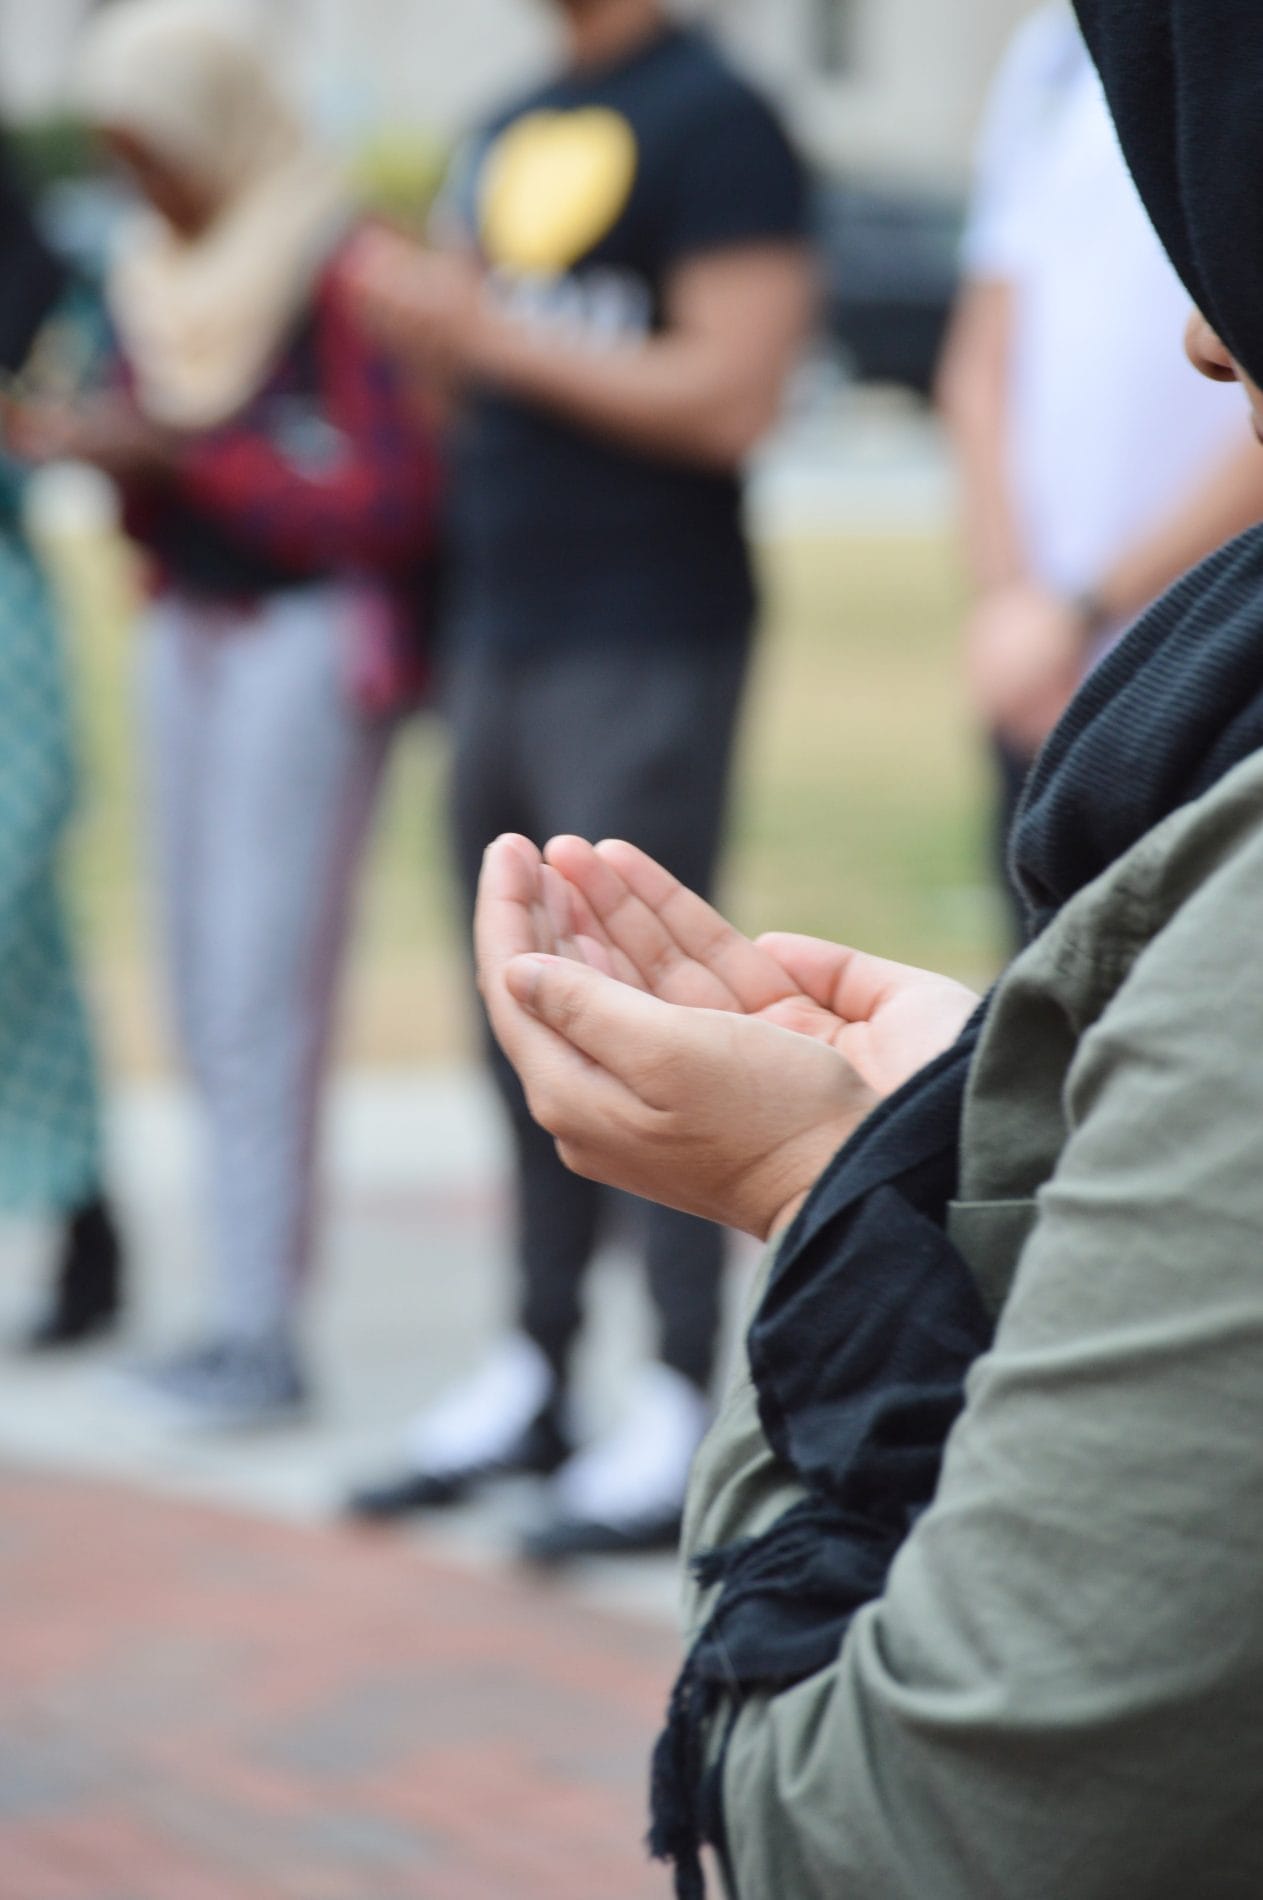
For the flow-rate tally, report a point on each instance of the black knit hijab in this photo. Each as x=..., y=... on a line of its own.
x=871, y=1320
x=1184, y=79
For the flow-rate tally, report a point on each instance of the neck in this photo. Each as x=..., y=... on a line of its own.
x=600, y=32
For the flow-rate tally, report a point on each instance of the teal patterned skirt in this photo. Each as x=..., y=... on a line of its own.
x=50, y=1158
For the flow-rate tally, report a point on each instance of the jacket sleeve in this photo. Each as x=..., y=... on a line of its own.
x=1058, y=1695
x=374, y=506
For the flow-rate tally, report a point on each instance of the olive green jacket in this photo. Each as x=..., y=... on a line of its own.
x=1060, y=1695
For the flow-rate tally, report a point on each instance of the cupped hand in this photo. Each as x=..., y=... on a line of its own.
x=705, y=1109
x=671, y=1056
x=633, y=919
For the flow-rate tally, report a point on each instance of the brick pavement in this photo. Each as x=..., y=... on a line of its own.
x=198, y=1705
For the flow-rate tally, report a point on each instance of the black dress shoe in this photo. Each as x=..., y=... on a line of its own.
x=87, y=1293
x=564, y=1538
x=537, y=1452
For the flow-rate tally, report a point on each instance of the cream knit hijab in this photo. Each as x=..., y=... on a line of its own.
x=201, y=320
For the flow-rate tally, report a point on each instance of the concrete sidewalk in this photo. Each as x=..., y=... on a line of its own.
x=212, y=1690
x=412, y=1285
x=199, y=1705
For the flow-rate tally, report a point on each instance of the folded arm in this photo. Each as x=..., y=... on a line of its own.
x=703, y=391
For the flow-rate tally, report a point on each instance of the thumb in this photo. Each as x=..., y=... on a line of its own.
x=613, y=1024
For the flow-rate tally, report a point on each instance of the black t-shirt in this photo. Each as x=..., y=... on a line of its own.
x=582, y=198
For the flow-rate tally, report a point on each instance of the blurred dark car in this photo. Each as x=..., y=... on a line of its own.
x=891, y=265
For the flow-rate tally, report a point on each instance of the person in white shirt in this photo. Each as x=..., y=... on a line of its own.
x=1096, y=464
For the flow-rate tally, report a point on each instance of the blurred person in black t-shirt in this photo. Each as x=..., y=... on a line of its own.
x=623, y=290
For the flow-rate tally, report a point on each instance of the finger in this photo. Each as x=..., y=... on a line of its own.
x=594, y=943
x=684, y=951
x=572, y=1097
x=631, y=929
x=808, y=1018
x=570, y=1093
x=596, y=952
x=511, y=866
x=629, y=1035
x=584, y=919
x=697, y=928
x=849, y=983
x=507, y=925
x=505, y=922
x=559, y=913
x=568, y=928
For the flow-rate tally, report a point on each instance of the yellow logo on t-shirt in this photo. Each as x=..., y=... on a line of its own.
x=553, y=185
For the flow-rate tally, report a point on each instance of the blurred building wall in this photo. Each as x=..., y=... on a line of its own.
x=34, y=35
x=891, y=87
x=882, y=86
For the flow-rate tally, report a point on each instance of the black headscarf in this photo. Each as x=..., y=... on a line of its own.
x=31, y=276
x=871, y=1320
x=1184, y=80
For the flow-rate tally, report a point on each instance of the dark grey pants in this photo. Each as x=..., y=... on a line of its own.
x=605, y=743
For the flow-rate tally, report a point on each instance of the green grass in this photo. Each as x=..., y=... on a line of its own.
x=859, y=816
x=861, y=809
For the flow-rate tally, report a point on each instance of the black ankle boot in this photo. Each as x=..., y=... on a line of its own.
x=87, y=1293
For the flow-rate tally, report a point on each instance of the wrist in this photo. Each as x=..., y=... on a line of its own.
x=784, y=1217
x=810, y=1157
x=990, y=578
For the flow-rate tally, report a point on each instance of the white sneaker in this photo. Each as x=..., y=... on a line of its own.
x=478, y=1421
x=639, y=1471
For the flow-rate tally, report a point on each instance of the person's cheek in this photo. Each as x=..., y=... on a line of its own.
x=1206, y=352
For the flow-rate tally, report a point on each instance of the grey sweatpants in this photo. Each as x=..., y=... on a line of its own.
x=263, y=784
x=604, y=742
